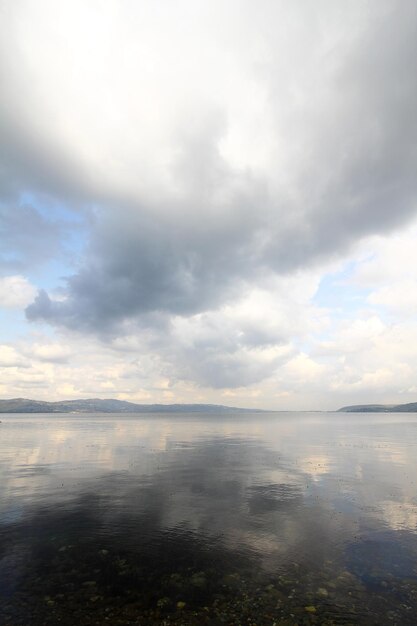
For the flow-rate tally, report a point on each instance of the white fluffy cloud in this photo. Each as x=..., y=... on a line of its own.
x=16, y=292
x=10, y=357
x=390, y=273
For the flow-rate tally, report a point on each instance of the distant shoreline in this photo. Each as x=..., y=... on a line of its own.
x=97, y=405
x=411, y=407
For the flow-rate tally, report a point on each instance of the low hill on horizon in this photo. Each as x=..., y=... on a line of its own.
x=97, y=405
x=411, y=407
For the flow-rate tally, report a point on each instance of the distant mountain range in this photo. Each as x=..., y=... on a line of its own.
x=95, y=405
x=380, y=408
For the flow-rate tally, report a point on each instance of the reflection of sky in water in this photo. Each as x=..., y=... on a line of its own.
x=326, y=495
x=250, y=477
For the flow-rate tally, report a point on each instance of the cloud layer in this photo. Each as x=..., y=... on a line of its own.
x=221, y=157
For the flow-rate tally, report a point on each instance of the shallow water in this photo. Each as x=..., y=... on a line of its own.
x=196, y=519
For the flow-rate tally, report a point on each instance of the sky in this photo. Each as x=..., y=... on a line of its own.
x=209, y=202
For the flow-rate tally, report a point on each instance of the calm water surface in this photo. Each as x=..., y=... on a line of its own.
x=248, y=519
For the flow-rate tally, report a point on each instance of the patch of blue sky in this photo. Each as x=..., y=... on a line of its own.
x=52, y=275
x=10, y=257
x=341, y=299
x=51, y=209
x=76, y=241
x=340, y=295
x=14, y=326
x=75, y=229
x=74, y=237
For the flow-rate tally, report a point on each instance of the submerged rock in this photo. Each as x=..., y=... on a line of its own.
x=199, y=580
x=322, y=592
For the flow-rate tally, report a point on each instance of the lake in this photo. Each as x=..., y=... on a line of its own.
x=248, y=518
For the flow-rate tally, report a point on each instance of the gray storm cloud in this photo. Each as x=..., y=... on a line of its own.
x=216, y=147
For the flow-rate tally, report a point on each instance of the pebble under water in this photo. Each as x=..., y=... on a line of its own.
x=252, y=519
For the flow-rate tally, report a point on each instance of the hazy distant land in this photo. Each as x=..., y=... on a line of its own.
x=96, y=405
x=411, y=407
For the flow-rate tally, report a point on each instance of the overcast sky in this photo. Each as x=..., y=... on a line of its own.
x=209, y=201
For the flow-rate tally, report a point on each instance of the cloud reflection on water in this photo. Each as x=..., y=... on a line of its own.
x=228, y=469
x=274, y=491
